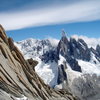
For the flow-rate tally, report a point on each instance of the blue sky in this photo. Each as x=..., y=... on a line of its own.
x=46, y=18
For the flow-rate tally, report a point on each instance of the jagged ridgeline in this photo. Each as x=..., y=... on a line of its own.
x=68, y=63
x=18, y=80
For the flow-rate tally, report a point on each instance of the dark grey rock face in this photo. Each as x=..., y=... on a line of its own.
x=63, y=46
x=79, y=49
x=96, y=53
x=61, y=74
x=67, y=50
x=74, y=64
x=98, y=49
x=50, y=55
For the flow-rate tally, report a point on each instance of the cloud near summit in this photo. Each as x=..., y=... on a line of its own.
x=82, y=11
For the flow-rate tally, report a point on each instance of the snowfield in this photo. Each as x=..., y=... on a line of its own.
x=88, y=67
x=48, y=72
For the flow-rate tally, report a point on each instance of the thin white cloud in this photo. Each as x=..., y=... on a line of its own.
x=53, y=41
x=85, y=10
x=92, y=42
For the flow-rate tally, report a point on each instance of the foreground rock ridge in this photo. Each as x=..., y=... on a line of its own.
x=18, y=78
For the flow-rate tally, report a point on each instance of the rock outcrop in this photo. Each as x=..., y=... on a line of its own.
x=18, y=78
x=67, y=51
x=79, y=49
x=62, y=76
x=98, y=50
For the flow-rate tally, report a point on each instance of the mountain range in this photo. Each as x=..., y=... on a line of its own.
x=69, y=63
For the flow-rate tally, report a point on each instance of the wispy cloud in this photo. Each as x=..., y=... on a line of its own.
x=85, y=10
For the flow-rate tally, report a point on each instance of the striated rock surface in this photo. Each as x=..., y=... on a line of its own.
x=18, y=78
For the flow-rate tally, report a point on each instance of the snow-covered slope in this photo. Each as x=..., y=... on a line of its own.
x=88, y=67
x=48, y=72
x=91, y=67
x=32, y=48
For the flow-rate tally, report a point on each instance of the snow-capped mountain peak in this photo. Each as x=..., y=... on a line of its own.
x=32, y=48
x=59, y=61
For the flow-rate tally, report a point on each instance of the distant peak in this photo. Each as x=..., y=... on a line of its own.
x=63, y=33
